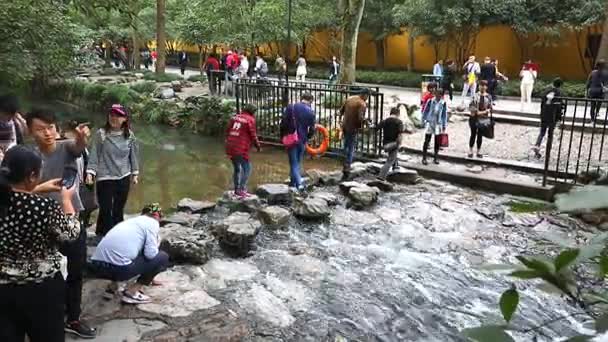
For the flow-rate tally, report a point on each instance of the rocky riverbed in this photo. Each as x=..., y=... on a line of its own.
x=356, y=261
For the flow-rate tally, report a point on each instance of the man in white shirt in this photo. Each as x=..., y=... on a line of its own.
x=130, y=249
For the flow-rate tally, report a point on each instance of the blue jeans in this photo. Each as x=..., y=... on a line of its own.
x=242, y=170
x=295, y=154
x=146, y=269
x=350, y=143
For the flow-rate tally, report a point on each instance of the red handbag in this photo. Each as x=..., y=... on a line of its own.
x=444, y=141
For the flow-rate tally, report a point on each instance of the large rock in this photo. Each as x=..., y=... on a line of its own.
x=236, y=233
x=311, y=208
x=328, y=197
x=346, y=186
x=315, y=176
x=195, y=207
x=491, y=213
x=181, y=218
x=330, y=178
x=250, y=204
x=176, y=86
x=382, y=185
x=274, y=215
x=374, y=168
x=164, y=93
x=363, y=196
x=186, y=245
x=403, y=176
x=275, y=193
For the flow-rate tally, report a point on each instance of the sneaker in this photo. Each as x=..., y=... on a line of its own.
x=436, y=162
x=80, y=329
x=424, y=162
x=479, y=155
x=470, y=155
x=137, y=298
x=244, y=194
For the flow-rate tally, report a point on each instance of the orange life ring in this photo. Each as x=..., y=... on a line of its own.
x=324, y=144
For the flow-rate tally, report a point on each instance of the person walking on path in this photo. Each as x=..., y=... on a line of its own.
x=480, y=107
x=597, y=83
x=471, y=73
x=211, y=67
x=528, y=75
x=182, y=58
x=500, y=77
x=488, y=74
x=261, y=68
x=281, y=68
x=241, y=133
x=301, y=69
x=243, y=66
x=435, y=118
x=334, y=70
x=131, y=249
x=113, y=167
x=438, y=70
x=32, y=289
x=447, y=81
x=353, y=118
x=13, y=127
x=391, y=127
x=57, y=156
x=550, y=112
x=300, y=118
x=154, y=56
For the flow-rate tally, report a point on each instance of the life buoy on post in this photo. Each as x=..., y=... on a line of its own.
x=324, y=144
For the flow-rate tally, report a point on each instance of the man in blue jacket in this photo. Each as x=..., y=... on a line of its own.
x=300, y=117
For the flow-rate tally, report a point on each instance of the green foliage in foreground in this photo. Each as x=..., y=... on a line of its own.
x=150, y=76
x=572, y=272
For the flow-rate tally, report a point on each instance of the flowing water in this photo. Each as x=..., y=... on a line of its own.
x=409, y=269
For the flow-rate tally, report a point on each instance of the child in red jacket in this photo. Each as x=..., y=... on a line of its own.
x=240, y=135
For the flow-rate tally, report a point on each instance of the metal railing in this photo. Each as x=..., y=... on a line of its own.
x=579, y=145
x=272, y=96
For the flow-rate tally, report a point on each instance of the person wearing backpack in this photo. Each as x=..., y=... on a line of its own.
x=550, y=112
x=300, y=119
x=241, y=133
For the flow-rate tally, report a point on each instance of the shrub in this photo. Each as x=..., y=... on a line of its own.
x=162, y=78
x=117, y=94
x=145, y=87
x=197, y=78
x=93, y=91
x=333, y=101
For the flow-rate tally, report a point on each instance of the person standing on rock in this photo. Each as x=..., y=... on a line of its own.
x=241, y=133
x=57, y=157
x=550, y=112
x=481, y=108
x=391, y=127
x=32, y=229
x=131, y=249
x=113, y=166
x=300, y=118
x=353, y=118
x=435, y=118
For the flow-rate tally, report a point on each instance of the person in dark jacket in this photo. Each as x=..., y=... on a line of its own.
x=391, y=127
x=447, y=81
x=334, y=70
x=182, y=58
x=596, y=84
x=241, y=133
x=488, y=74
x=353, y=117
x=550, y=112
x=12, y=124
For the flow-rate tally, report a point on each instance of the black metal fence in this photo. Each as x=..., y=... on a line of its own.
x=578, y=146
x=272, y=96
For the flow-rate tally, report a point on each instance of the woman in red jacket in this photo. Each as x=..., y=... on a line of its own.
x=241, y=133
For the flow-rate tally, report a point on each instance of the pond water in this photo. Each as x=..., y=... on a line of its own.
x=176, y=163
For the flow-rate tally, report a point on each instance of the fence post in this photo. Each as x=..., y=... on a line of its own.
x=237, y=91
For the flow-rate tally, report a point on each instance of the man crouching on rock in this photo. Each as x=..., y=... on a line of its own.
x=130, y=249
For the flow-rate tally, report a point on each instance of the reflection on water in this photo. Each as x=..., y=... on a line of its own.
x=176, y=164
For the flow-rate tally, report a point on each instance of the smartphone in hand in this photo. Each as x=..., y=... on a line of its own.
x=69, y=177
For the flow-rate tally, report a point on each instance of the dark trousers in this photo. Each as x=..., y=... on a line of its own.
x=242, y=170
x=350, y=145
x=391, y=161
x=182, y=67
x=76, y=252
x=596, y=105
x=295, y=154
x=35, y=309
x=475, y=133
x=448, y=88
x=492, y=86
x=544, y=126
x=146, y=269
x=112, y=197
x=427, y=142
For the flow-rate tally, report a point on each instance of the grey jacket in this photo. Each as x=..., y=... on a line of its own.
x=113, y=156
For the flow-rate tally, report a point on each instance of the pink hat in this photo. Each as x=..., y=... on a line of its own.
x=119, y=110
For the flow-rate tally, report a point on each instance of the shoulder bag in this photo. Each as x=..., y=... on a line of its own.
x=291, y=139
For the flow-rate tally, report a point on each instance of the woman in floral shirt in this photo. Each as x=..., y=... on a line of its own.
x=32, y=289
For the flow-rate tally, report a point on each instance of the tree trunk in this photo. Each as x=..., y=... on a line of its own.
x=602, y=53
x=160, y=36
x=352, y=12
x=201, y=58
x=581, y=53
x=410, y=47
x=107, y=53
x=136, y=56
x=379, y=53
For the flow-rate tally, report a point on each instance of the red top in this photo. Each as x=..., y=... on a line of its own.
x=240, y=135
x=154, y=54
x=212, y=64
x=425, y=98
x=233, y=61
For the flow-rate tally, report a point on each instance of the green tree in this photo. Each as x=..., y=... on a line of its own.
x=351, y=12
x=378, y=20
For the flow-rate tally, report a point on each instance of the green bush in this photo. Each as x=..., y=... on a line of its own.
x=333, y=101
x=117, y=94
x=197, y=78
x=162, y=78
x=93, y=91
x=145, y=87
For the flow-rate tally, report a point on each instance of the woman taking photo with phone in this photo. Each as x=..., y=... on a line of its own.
x=32, y=289
x=113, y=165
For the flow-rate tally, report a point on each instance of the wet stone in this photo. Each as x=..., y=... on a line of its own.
x=186, y=245
x=274, y=215
x=331, y=178
x=311, y=208
x=374, y=168
x=346, y=186
x=403, y=176
x=275, y=193
x=181, y=218
x=331, y=199
x=382, y=185
x=195, y=207
x=363, y=196
x=123, y=330
x=176, y=86
x=491, y=213
x=236, y=233
x=314, y=176
x=250, y=204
